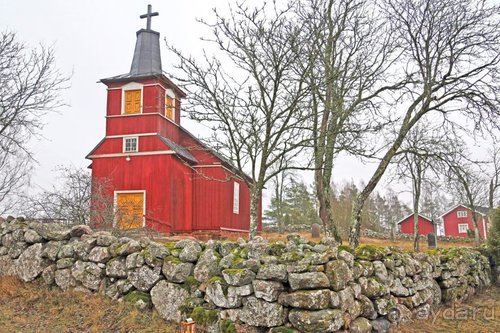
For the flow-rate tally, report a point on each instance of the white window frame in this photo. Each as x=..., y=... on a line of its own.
x=461, y=213
x=236, y=198
x=125, y=138
x=132, y=86
x=170, y=93
x=460, y=228
x=115, y=205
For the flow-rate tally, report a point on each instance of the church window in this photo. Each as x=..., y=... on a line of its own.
x=130, y=144
x=132, y=101
x=236, y=198
x=169, y=107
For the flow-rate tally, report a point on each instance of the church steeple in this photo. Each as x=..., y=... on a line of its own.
x=147, y=58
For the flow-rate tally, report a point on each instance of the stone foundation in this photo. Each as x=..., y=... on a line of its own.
x=297, y=286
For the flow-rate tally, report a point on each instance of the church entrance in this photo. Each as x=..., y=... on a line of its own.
x=130, y=209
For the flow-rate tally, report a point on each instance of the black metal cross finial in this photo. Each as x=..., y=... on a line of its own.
x=149, y=15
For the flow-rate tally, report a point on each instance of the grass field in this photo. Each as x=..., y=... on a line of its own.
x=480, y=315
x=32, y=308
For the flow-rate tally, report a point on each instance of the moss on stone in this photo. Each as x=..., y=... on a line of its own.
x=345, y=248
x=369, y=252
x=173, y=260
x=240, y=252
x=169, y=245
x=204, y=317
x=277, y=248
x=135, y=296
x=234, y=271
x=227, y=326
x=215, y=279
x=237, y=261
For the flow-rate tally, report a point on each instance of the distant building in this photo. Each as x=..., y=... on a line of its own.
x=425, y=225
x=458, y=220
x=158, y=175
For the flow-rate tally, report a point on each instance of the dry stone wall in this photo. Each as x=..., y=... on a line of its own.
x=293, y=286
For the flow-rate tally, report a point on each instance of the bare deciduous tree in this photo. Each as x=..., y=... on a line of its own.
x=250, y=92
x=68, y=202
x=349, y=50
x=451, y=54
x=422, y=159
x=494, y=176
x=29, y=88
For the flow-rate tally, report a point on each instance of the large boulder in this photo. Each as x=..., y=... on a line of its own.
x=360, y=325
x=238, y=277
x=88, y=274
x=31, y=236
x=321, y=321
x=99, y=254
x=31, y=264
x=116, y=268
x=309, y=280
x=309, y=299
x=267, y=290
x=338, y=273
x=372, y=287
x=144, y=278
x=221, y=295
x=275, y=272
x=64, y=279
x=167, y=298
x=257, y=312
x=175, y=270
x=7, y=266
x=190, y=252
x=207, y=265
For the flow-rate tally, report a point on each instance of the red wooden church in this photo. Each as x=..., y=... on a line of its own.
x=157, y=174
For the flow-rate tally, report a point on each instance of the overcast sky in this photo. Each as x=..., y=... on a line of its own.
x=94, y=39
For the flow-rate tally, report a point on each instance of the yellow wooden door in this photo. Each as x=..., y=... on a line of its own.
x=130, y=210
x=132, y=101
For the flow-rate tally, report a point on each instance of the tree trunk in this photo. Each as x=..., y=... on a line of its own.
x=255, y=195
x=354, y=232
x=477, y=238
x=416, y=199
x=324, y=195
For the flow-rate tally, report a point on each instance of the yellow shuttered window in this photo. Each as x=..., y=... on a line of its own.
x=169, y=107
x=132, y=101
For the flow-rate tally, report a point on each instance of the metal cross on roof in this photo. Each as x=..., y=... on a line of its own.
x=149, y=15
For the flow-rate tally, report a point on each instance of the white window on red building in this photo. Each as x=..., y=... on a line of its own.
x=462, y=213
x=236, y=198
x=462, y=228
x=130, y=144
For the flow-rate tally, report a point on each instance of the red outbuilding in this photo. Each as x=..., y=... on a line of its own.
x=151, y=170
x=458, y=220
x=425, y=225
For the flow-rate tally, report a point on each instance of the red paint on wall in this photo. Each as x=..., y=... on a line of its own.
x=452, y=219
x=425, y=225
x=181, y=195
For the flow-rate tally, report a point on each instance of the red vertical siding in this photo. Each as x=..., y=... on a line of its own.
x=178, y=199
x=451, y=222
x=425, y=226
